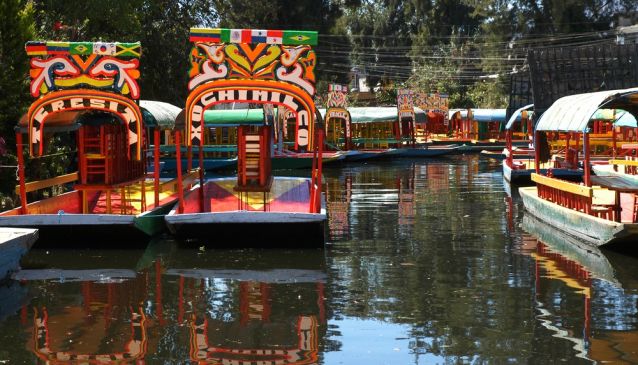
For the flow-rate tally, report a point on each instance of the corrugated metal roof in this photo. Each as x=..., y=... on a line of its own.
x=573, y=113
x=158, y=114
x=517, y=115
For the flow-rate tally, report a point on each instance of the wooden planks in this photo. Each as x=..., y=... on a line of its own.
x=563, y=185
x=47, y=183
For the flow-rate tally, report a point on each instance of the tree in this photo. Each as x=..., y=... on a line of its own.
x=15, y=29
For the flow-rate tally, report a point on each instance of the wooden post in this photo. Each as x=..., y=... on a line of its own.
x=180, y=183
x=23, y=188
x=201, y=174
x=508, y=143
x=189, y=154
x=537, y=153
x=156, y=164
x=613, y=141
x=587, y=159
x=319, y=171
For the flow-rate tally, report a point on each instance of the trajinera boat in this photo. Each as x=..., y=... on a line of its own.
x=255, y=207
x=602, y=211
x=88, y=92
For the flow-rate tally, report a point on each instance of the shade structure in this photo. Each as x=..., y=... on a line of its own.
x=573, y=113
x=480, y=115
x=516, y=116
x=158, y=114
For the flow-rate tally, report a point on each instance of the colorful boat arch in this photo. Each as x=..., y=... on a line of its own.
x=337, y=105
x=264, y=92
x=253, y=66
x=68, y=76
x=84, y=99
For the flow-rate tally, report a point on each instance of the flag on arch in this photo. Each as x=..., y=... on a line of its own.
x=104, y=48
x=274, y=36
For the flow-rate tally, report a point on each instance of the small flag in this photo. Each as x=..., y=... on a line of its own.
x=36, y=48
x=297, y=37
x=57, y=48
x=81, y=48
x=246, y=36
x=258, y=36
x=128, y=49
x=213, y=35
x=235, y=36
x=274, y=36
x=102, y=48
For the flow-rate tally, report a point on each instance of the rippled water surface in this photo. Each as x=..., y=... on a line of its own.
x=427, y=261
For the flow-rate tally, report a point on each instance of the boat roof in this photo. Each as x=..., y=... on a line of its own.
x=158, y=114
x=480, y=115
x=516, y=116
x=573, y=113
x=374, y=114
x=233, y=117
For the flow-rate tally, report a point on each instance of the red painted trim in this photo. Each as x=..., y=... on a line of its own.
x=180, y=183
x=156, y=164
x=23, y=188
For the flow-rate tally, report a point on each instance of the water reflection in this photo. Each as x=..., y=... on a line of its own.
x=173, y=303
x=566, y=270
x=428, y=261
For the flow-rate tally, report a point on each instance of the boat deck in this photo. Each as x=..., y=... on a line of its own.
x=71, y=202
x=290, y=195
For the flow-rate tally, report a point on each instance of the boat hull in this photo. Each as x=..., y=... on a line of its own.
x=427, y=151
x=14, y=243
x=592, y=230
x=278, y=219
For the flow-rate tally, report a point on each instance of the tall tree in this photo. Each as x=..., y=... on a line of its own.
x=16, y=28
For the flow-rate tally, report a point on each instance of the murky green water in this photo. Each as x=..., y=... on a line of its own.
x=427, y=262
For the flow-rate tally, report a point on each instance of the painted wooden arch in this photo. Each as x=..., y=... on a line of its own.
x=85, y=99
x=295, y=100
x=135, y=349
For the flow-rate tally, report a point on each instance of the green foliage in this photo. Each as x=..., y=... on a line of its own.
x=16, y=28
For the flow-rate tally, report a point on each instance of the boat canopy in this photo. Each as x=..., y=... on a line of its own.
x=516, y=116
x=158, y=114
x=374, y=114
x=233, y=117
x=573, y=113
x=479, y=115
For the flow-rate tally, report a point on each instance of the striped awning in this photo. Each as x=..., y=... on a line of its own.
x=573, y=113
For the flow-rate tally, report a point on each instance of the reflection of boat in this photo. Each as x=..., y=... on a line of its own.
x=266, y=309
x=96, y=315
x=590, y=258
x=603, y=335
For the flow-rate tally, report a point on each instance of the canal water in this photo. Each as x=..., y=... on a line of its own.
x=427, y=261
